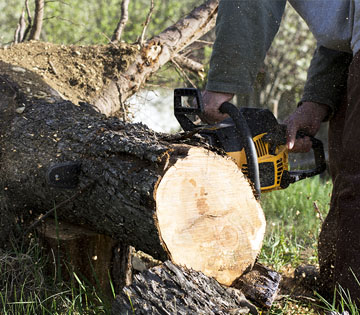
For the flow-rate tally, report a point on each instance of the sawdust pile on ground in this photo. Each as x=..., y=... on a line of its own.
x=77, y=72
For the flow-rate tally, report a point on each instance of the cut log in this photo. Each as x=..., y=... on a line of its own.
x=169, y=200
x=169, y=289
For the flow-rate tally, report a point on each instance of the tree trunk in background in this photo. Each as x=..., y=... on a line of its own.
x=170, y=200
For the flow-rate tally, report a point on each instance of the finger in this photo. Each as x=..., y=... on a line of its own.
x=212, y=115
x=291, y=135
x=302, y=145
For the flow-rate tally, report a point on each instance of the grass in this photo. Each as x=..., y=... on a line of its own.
x=294, y=217
x=24, y=288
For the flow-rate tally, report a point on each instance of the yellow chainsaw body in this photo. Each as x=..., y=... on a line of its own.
x=271, y=165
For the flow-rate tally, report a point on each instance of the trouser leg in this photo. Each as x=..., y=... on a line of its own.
x=339, y=243
x=328, y=234
x=347, y=263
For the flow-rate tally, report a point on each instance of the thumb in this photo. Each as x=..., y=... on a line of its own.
x=291, y=135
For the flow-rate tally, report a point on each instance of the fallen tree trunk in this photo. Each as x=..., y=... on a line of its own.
x=168, y=289
x=170, y=200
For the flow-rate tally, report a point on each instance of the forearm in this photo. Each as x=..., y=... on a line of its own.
x=244, y=32
x=327, y=77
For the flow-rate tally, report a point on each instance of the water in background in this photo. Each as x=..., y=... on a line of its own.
x=155, y=108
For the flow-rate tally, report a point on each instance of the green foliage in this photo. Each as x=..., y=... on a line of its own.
x=9, y=16
x=93, y=22
x=294, y=223
x=341, y=302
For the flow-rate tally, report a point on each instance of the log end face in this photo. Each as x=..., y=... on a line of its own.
x=208, y=216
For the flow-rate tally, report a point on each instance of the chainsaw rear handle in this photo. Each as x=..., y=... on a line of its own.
x=320, y=163
x=250, y=151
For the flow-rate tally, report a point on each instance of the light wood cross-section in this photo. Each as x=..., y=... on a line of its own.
x=208, y=217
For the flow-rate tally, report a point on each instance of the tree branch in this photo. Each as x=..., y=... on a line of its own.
x=20, y=29
x=29, y=18
x=28, y=12
x=146, y=24
x=190, y=64
x=38, y=20
x=183, y=73
x=122, y=23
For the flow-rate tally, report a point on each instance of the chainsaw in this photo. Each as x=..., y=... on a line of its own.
x=252, y=137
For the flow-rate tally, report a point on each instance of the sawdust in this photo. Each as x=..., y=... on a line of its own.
x=78, y=73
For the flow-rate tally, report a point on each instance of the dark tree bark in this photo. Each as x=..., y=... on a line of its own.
x=260, y=285
x=169, y=289
x=45, y=134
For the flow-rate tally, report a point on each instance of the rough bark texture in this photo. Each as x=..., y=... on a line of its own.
x=169, y=289
x=44, y=134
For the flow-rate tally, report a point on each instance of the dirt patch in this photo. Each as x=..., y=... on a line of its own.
x=78, y=73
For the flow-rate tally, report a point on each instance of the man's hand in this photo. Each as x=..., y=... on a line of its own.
x=307, y=117
x=212, y=103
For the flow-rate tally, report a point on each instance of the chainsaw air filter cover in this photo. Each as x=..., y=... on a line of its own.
x=272, y=158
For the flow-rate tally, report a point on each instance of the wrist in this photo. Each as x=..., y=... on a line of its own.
x=218, y=95
x=319, y=111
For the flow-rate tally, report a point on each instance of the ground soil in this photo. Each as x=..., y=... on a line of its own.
x=296, y=296
x=78, y=73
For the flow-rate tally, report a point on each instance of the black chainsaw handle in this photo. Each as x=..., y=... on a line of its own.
x=320, y=163
x=243, y=129
x=181, y=111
